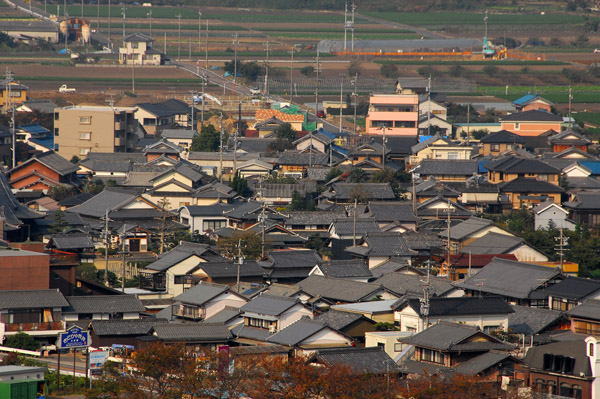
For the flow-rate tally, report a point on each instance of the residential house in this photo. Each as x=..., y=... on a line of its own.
x=531, y=123
x=537, y=323
x=388, y=341
x=355, y=270
x=193, y=335
x=376, y=248
x=204, y=218
x=346, y=193
x=210, y=162
x=468, y=231
x=532, y=102
x=177, y=185
x=323, y=291
x=465, y=265
x=440, y=208
x=289, y=266
x=455, y=347
x=517, y=282
x=35, y=312
x=344, y=232
x=369, y=361
x=388, y=213
x=103, y=307
x=281, y=193
x=5, y=145
x=205, y=300
x=79, y=130
x=101, y=169
x=181, y=137
x=137, y=50
x=354, y=325
x=121, y=331
x=155, y=117
x=307, y=223
x=18, y=94
x=304, y=336
x=511, y=167
x=173, y=271
x=254, y=168
x=428, y=105
x=584, y=207
x=316, y=141
x=501, y=243
x=378, y=311
x=447, y=170
x=489, y=313
x=438, y=147
x=585, y=318
x=393, y=115
x=265, y=315
x=294, y=163
x=432, y=188
x=524, y=192
x=228, y=272
x=162, y=152
x=429, y=122
x=43, y=171
x=268, y=120
x=549, y=214
x=567, y=139
x=499, y=142
x=16, y=219
x=571, y=292
x=412, y=285
x=214, y=193
x=568, y=369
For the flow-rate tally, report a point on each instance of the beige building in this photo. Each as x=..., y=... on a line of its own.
x=82, y=129
x=138, y=50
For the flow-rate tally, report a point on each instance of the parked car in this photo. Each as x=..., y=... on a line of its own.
x=320, y=114
x=65, y=89
x=255, y=91
x=596, y=50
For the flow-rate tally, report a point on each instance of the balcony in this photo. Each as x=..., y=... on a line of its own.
x=29, y=327
x=188, y=312
x=120, y=125
x=57, y=259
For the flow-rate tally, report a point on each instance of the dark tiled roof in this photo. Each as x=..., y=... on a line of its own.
x=183, y=251
x=202, y=293
x=590, y=309
x=104, y=304
x=576, y=349
x=209, y=210
x=303, y=258
x=32, y=299
x=337, y=289
x=463, y=306
x=532, y=116
x=450, y=167
x=254, y=333
x=346, y=269
x=53, y=161
x=526, y=185
x=228, y=269
x=513, y=164
x=224, y=316
x=481, y=363
x=584, y=200
x=387, y=244
x=359, y=360
x=300, y=218
x=10, y=209
x=156, y=109
x=501, y=137
x=402, y=284
x=527, y=320
x=125, y=327
x=196, y=332
x=467, y=228
x=297, y=332
x=372, y=191
x=509, y=278
x=269, y=305
x=339, y=320
x=573, y=288
x=111, y=198
x=345, y=226
x=391, y=211
x=138, y=37
x=65, y=242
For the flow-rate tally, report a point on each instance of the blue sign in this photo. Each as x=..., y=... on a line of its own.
x=75, y=337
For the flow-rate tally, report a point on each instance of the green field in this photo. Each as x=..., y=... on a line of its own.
x=464, y=18
x=555, y=94
x=340, y=35
x=589, y=117
x=156, y=27
x=358, y=29
x=192, y=13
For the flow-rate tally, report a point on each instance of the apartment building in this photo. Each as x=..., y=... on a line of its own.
x=82, y=129
x=393, y=115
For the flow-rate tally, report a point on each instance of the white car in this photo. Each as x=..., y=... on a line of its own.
x=65, y=89
x=596, y=50
x=255, y=91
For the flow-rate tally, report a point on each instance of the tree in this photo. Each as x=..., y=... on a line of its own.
x=230, y=66
x=308, y=70
x=21, y=341
x=389, y=71
x=555, y=42
x=240, y=185
x=479, y=134
x=357, y=175
x=332, y=174
x=75, y=159
x=581, y=41
x=438, y=386
x=60, y=192
x=251, y=71
x=511, y=43
x=301, y=203
x=285, y=138
x=318, y=244
x=457, y=70
x=94, y=187
x=60, y=223
x=207, y=141
x=248, y=241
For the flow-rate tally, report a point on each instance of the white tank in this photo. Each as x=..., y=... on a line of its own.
x=85, y=33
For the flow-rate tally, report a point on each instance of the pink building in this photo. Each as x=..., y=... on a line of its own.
x=397, y=113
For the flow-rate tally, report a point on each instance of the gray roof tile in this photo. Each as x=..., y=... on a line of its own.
x=269, y=305
x=337, y=289
x=196, y=332
x=32, y=299
x=104, y=304
x=202, y=293
x=359, y=360
x=125, y=327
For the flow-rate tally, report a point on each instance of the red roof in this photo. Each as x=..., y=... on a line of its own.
x=462, y=260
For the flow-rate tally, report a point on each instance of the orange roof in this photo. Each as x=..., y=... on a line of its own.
x=264, y=114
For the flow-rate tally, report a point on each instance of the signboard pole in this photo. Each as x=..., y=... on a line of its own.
x=87, y=366
x=74, y=352
x=58, y=372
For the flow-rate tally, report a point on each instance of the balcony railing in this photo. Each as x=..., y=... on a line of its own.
x=48, y=326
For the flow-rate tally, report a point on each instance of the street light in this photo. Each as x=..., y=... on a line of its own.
x=124, y=13
x=178, y=36
x=149, y=15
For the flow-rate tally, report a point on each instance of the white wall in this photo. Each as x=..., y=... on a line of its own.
x=226, y=299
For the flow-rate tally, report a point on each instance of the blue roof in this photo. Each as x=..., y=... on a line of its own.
x=341, y=150
x=47, y=142
x=35, y=129
x=593, y=166
x=423, y=138
x=525, y=99
x=482, y=164
x=330, y=134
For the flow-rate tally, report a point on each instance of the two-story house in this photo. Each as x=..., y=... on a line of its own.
x=103, y=307
x=205, y=300
x=393, y=115
x=138, y=50
x=498, y=142
x=531, y=123
x=43, y=171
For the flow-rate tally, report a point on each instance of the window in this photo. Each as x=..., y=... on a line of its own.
x=213, y=224
x=452, y=155
x=85, y=135
x=427, y=355
x=15, y=93
x=591, y=349
x=84, y=151
x=185, y=220
x=56, y=131
x=85, y=120
x=565, y=389
x=397, y=347
x=576, y=391
x=517, y=126
x=134, y=45
x=495, y=147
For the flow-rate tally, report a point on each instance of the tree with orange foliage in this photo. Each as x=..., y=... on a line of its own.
x=448, y=387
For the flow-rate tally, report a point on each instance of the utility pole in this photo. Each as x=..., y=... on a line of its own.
x=133, y=77
x=109, y=24
x=310, y=152
x=346, y=24
x=425, y=301
x=149, y=15
x=106, y=245
x=352, y=24
x=199, y=31
x=292, y=76
x=235, y=44
x=206, y=45
x=124, y=263
x=221, y=149
x=192, y=109
x=81, y=8
x=165, y=44
x=240, y=262
x=317, y=87
x=570, y=99
x=354, y=223
x=267, y=71
x=562, y=243
x=124, y=12
x=10, y=107
x=355, y=94
x=341, y=100
x=178, y=36
x=238, y=133
x=204, y=77
x=429, y=103
x=383, y=128
x=262, y=222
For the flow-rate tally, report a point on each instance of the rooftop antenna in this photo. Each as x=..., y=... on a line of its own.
x=426, y=294
x=562, y=243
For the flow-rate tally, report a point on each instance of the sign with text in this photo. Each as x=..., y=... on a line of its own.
x=97, y=359
x=75, y=337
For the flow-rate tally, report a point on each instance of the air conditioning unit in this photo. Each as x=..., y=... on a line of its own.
x=272, y=329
